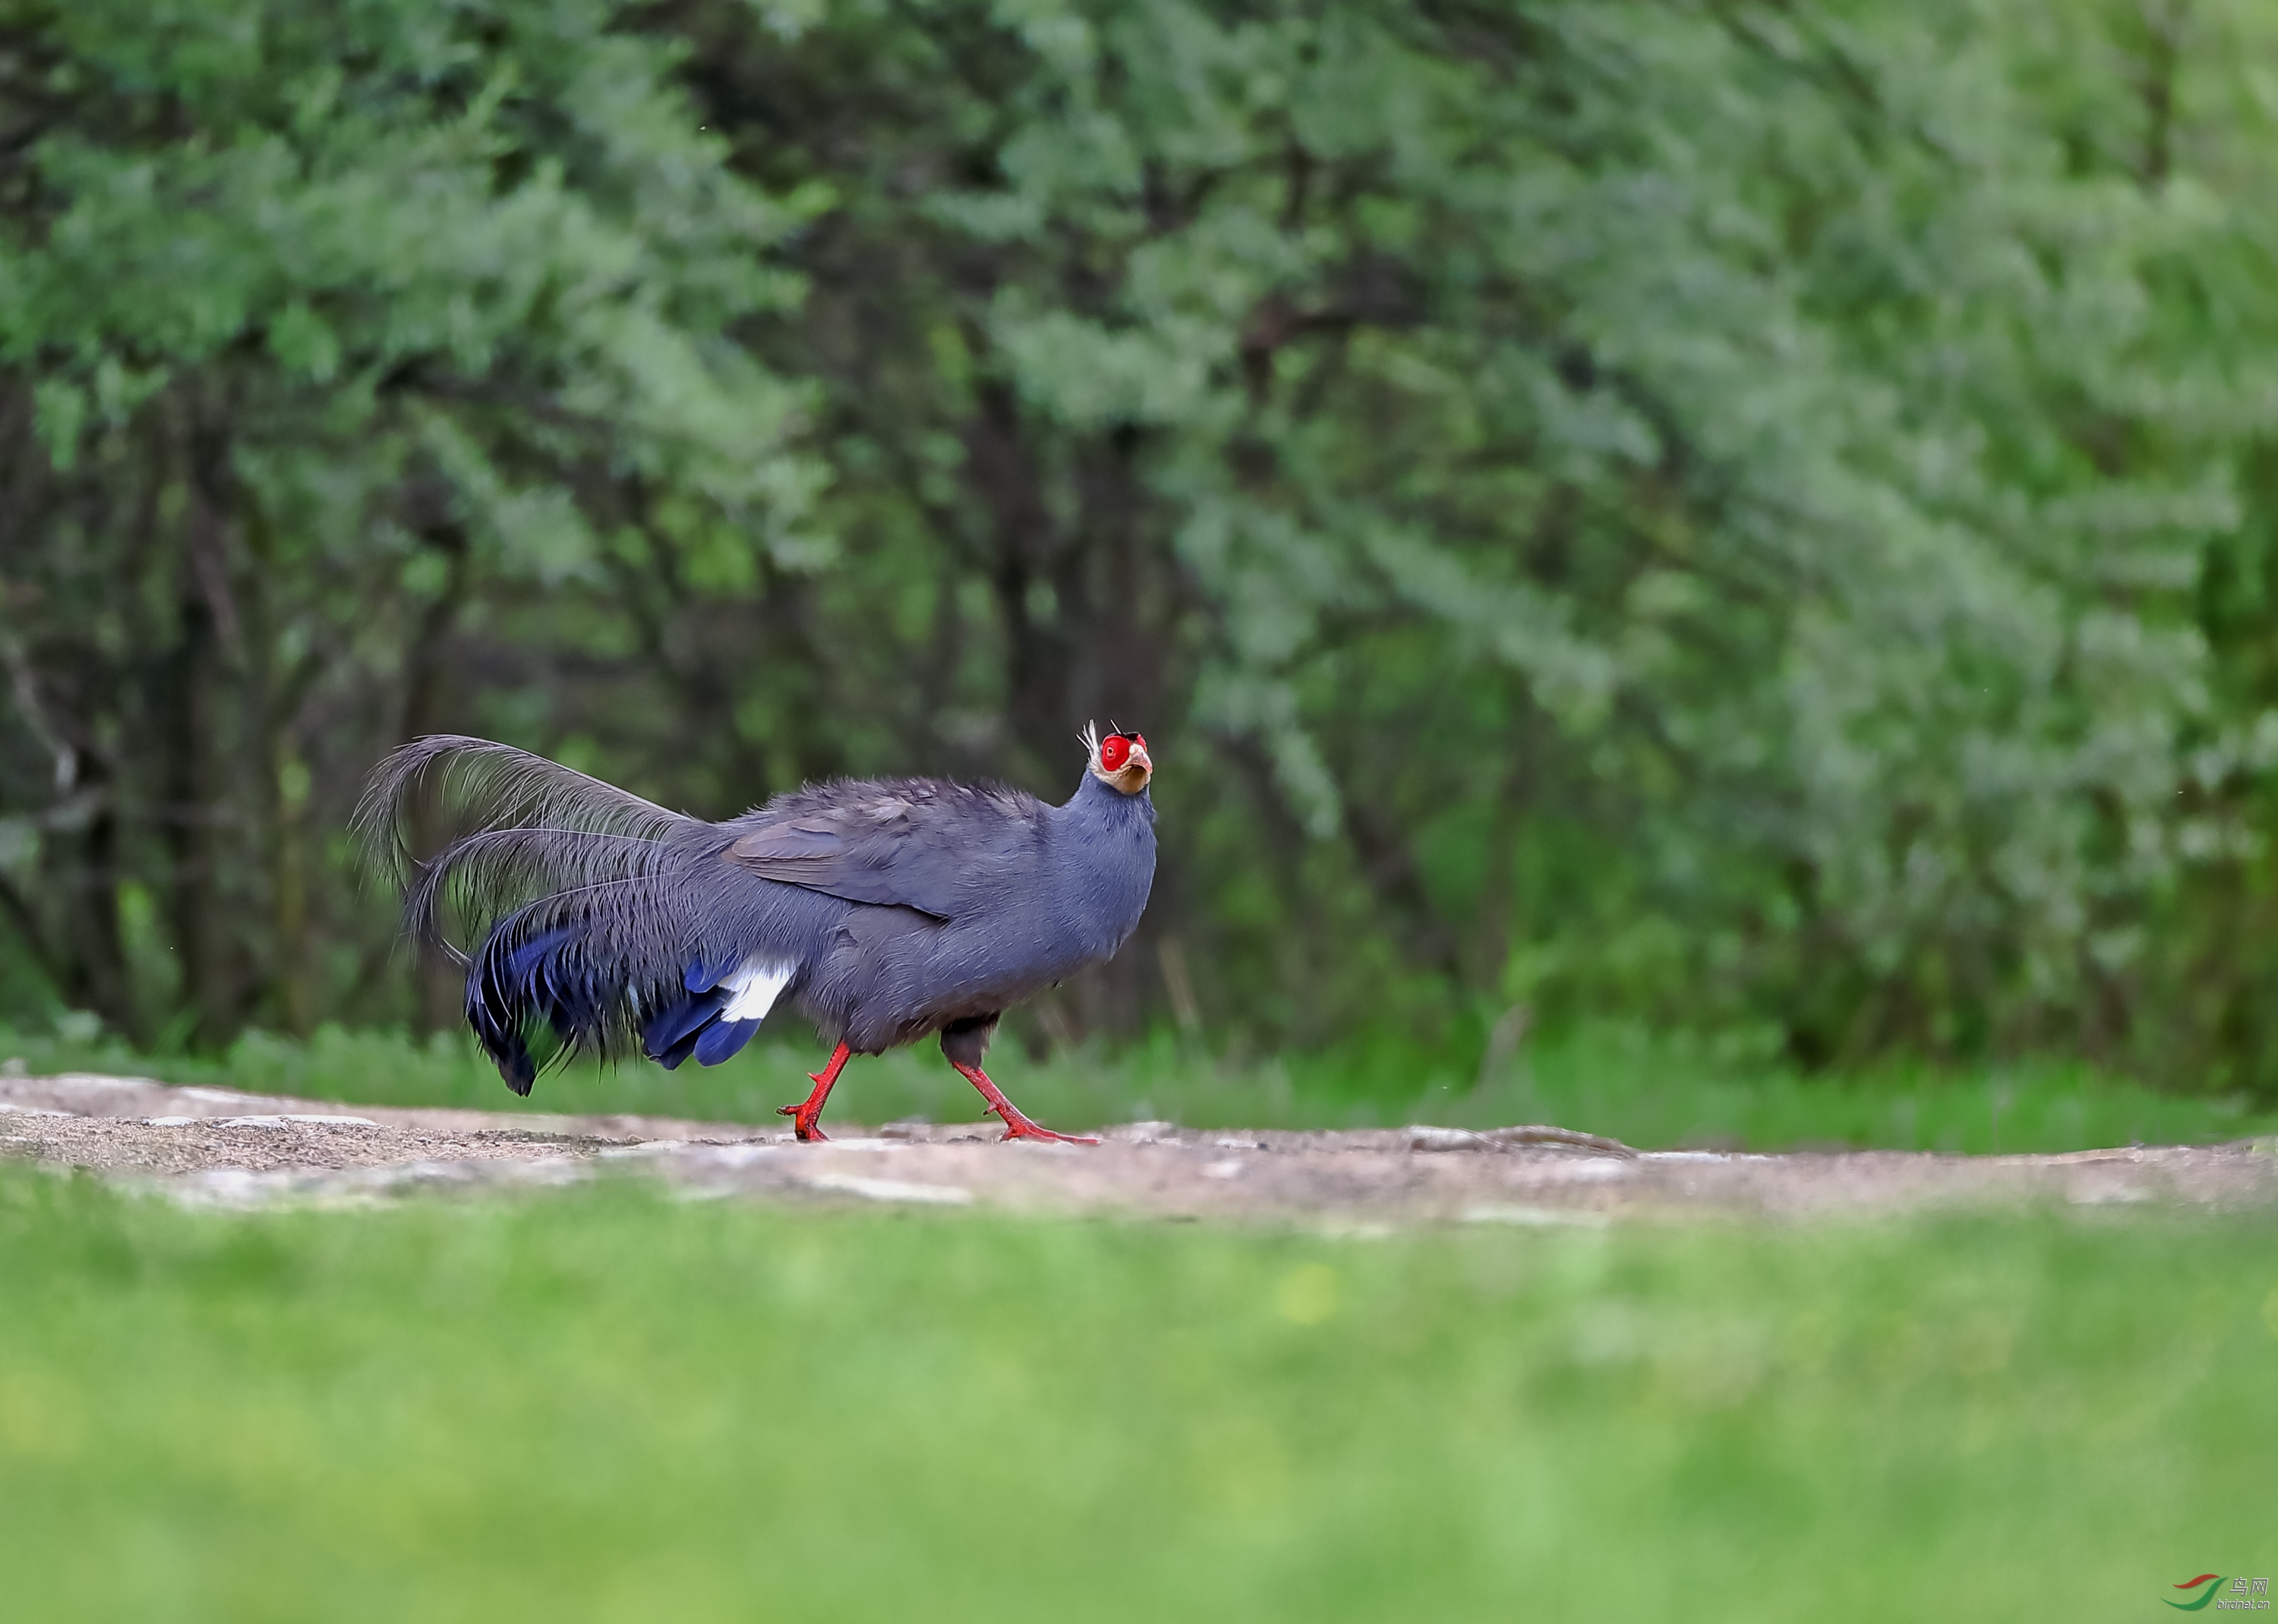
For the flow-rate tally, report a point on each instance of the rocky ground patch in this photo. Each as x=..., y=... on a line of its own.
x=213, y=1146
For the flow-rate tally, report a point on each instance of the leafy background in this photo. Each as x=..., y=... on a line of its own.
x=1740, y=519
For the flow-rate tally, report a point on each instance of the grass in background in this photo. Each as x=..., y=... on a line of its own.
x=1650, y=1092
x=606, y=1406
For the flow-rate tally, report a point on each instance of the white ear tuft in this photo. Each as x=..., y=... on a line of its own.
x=1089, y=738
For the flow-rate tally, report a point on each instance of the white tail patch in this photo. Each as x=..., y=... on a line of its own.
x=753, y=988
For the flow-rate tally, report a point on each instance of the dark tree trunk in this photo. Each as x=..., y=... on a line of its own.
x=197, y=788
x=1003, y=473
x=188, y=819
x=94, y=972
x=438, y=986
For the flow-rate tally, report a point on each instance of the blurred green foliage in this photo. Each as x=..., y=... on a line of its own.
x=1736, y=518
x=609, y=1405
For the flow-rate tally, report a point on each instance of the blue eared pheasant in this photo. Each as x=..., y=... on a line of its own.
x=882, y=909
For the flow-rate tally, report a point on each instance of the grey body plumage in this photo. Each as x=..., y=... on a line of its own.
x=884, y=909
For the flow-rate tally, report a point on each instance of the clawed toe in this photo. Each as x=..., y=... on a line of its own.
x=1030, y=1130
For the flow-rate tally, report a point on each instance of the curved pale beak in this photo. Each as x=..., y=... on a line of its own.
x=1137, y=768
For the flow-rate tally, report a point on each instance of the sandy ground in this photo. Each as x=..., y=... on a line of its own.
x=209, y=1146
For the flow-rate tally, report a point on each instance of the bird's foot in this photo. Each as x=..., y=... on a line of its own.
x=807, y=1113
x=1017, y=1126
x=803, y=1123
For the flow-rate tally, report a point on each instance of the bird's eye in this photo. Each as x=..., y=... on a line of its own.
x=1114, y=751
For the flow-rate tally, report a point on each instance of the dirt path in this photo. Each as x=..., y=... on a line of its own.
x=220, y=1147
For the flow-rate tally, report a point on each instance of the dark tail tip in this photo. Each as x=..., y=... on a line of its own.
x=519, y=1070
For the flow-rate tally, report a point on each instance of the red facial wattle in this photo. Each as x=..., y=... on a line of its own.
x=1123, y=757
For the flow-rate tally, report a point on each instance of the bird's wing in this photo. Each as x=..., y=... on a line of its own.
x=939, y=849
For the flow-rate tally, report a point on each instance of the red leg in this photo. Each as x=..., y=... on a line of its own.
x=803, y=1115
x=1016, y=1125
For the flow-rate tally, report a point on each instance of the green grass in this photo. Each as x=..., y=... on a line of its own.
x=606, y=1406
x=1653, y=1093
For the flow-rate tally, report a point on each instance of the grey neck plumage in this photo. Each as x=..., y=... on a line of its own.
x=1103, y=856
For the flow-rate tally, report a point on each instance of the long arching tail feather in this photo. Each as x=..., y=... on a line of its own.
x=554, y=877
x=434, y=790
